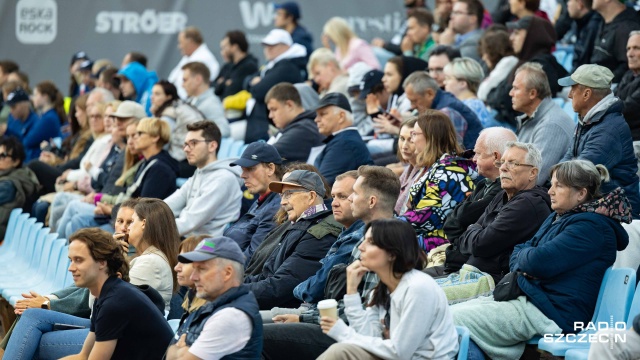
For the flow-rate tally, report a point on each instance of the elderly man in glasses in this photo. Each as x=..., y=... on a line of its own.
x=211, y=198
x=512, y=217
x=299, y=250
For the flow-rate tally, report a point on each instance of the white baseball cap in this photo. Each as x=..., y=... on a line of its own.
x=278, y=36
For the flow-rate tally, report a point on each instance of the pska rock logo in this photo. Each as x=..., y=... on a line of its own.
x=36, y=21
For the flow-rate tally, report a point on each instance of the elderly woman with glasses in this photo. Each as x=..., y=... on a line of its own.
x=560, y=268
x=445, y=179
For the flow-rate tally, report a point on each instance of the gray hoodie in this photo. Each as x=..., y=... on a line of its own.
x=209, y=200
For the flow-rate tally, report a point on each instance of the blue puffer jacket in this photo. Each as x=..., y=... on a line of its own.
x=444, y=99
x=143, y=80
x=567, y=258
x=603, y=137
x=255, y=225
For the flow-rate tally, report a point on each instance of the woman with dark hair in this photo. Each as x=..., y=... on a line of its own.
x=561, y=267
x=163, y=94
x=446, y=178
x=18, y=185
x=395, y=324
x=49, y=102
x=497, y=53
x=154, y=234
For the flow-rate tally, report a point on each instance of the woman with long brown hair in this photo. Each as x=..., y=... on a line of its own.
x=446, y=179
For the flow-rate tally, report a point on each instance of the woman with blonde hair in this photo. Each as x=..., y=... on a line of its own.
x=446, y=178
x=349, y=48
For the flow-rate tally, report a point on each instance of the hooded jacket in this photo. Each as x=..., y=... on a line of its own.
x=603, y=137
x=143, y=80
x=610, y=47
x=435, y=193
x=295, y=140
x=288, y=67
x=232, y=76
x=586, y=29
x=537, y=45
x=208, y=201
x=566, y=259
x=160, y=180
x=490, y=241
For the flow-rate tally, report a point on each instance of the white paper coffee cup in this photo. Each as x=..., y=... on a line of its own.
x=328, y=308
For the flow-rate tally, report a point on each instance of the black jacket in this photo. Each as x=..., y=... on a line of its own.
x=463, y=215
x=586, y=30
x=629, y=92
x=286, y=70
x=232, y=76
x=160, y=180
x=503, y=225
x=610, y=48
x=295, y=259
x=298, y=137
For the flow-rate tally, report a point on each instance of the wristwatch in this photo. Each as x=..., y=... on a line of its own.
x=45, y=305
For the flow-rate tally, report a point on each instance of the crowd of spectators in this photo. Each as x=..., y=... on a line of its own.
x=403, y=178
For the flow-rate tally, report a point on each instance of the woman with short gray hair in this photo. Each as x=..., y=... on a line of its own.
x=462, y=77
x=564, y=263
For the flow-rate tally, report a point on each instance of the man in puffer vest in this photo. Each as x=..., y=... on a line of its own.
x=229, y=324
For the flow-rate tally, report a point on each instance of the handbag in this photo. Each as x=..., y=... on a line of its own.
x=336, y=285
x=508, y=288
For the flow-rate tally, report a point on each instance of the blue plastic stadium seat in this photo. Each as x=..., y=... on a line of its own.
x=463, y=341
x=559, y=101
x=174, y=323
x=577, y=354
x=614, y=300
x=225, y=147
x=181, y=181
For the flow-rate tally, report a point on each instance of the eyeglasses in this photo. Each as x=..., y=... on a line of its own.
x=4, y=155
x=510, y=164
x=192, y=143
x=414, y=134
x=288, y=193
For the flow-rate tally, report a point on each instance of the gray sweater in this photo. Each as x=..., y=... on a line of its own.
x=550, y=130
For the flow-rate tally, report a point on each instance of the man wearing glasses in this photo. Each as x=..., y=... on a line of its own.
x=211, y=198
x=512, y=217
x=298, y=253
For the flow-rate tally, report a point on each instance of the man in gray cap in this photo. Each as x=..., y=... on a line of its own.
x=602, y=135
x=299, y=250
x=335, y=121
x=231, y=308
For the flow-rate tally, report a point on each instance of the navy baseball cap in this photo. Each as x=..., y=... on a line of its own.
x=80, y=55
x=334, y=99
x=86, y=65
x=300, y=178
x=16, y=96
x=291, y=8
x=219, y=247
x=256, y=153
x=369, y=80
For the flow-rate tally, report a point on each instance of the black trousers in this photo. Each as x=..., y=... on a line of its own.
x=294, y=341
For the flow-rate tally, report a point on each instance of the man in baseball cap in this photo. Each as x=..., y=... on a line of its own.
x=287, y=17
x=261, y=164
x=310, y=232
x=218, y=272
x=603, y=136
x=335, y=121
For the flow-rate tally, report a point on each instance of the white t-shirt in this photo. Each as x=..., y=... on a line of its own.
x=214, y=341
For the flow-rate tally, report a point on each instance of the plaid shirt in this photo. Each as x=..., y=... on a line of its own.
x=368, y=283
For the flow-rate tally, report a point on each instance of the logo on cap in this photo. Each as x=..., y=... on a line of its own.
x=254, y=157
x=207, y=246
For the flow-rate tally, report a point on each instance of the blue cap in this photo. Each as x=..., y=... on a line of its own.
x=291, y=8
x=16, y=96
x=256, y=153
x=334, y=99
x=219, y=247
x=80, y=55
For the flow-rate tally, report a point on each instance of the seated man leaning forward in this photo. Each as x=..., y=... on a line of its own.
x=299, y=250
x=125, y=324
x=488, y=243
x=229, y=324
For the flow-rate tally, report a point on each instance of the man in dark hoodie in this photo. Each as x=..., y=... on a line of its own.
x=586, y=23
x=609, y=49
x=532, y=39
x=286, y=63
x=241, y=64
x=629, y=90
x=298, y=131
x=489, y=242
